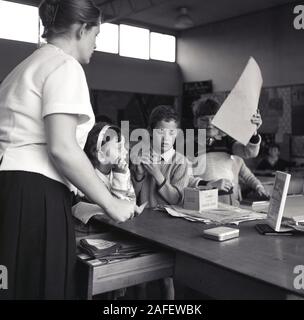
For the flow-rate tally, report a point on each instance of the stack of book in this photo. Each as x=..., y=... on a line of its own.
x=98, y=248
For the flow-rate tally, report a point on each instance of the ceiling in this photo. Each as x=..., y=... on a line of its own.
x=162, y=14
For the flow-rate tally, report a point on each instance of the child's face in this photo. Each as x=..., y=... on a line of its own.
x=112, y=151
x=204, y=122
x=164, y=136
x=274, y=152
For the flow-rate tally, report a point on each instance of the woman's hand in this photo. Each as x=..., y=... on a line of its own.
x=121, y=210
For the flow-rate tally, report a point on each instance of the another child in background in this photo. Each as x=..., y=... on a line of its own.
x=244, y=177
x=272, y=160
x=215, y=168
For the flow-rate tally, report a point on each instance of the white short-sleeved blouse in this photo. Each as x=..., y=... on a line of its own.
x=49, y=81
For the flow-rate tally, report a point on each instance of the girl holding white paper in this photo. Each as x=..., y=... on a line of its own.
x=215, y=168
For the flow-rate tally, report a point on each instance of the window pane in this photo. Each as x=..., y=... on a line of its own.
x=134, y=42
x=18, y=22
x=107, y=40
x=162, y=47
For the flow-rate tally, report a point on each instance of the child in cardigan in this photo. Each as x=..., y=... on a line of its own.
x=159, y=178
x=215, y=167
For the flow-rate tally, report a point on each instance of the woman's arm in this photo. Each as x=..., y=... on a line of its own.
x=73, y=164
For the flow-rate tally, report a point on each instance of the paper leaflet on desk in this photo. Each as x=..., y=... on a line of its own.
x=234, y=116
x=224, y=214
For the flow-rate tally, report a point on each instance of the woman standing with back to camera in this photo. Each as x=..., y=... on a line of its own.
x=45, y=116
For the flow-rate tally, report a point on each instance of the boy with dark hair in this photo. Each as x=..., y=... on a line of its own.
x=160, y=177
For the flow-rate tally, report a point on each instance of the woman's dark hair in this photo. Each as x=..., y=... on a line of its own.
x=90, y=147
x=57, y=16
x=162, y=113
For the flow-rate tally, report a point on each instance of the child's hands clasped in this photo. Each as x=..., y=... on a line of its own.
x=152, y=168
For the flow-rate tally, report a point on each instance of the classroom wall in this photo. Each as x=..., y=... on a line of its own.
x=219, y=51
x=107, y=71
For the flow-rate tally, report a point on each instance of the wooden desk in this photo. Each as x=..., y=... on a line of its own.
x=249, y=267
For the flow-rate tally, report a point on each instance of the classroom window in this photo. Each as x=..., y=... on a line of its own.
x=128, y=41
x=107, y=40
x=162, y=47
x=134, y=42
x=18, y=22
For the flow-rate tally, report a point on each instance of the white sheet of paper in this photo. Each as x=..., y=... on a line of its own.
x=234, y=116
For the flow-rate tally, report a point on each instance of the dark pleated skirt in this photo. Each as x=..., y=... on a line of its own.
x=37, y=240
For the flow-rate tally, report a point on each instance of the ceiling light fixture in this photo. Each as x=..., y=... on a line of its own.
x=183, y=20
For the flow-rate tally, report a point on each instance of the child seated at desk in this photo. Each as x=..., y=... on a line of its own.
x=215, y=168
x=160, y=177
x=106, y=151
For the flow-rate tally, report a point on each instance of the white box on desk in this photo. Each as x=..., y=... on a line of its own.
x=200, y=199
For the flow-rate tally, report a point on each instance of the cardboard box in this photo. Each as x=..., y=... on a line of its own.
x=199, y=200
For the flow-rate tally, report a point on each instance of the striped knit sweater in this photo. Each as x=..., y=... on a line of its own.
x=176, y=175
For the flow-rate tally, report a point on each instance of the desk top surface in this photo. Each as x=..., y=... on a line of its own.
x=271, y=259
